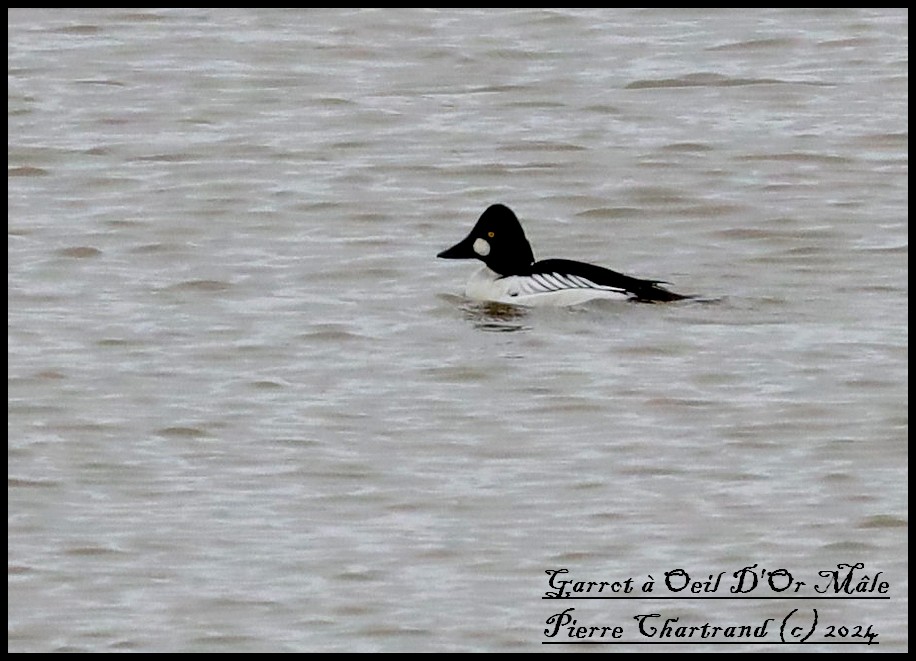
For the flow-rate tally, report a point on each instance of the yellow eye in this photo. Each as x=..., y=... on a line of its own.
x=491, y=234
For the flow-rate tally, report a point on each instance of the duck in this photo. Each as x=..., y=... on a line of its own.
x=512, y=276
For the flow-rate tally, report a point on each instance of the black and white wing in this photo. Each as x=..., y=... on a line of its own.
x=554, y=281
x=552, y=275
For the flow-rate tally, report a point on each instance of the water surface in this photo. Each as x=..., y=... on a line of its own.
x=250, y=411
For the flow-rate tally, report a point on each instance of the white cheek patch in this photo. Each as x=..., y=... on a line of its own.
x=481, y=247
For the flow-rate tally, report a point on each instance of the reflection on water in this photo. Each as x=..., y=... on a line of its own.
x=495, y=317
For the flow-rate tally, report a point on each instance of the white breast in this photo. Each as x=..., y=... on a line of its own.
x=537, y=290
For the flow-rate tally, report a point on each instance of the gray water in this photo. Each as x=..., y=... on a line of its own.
x=249, y=410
